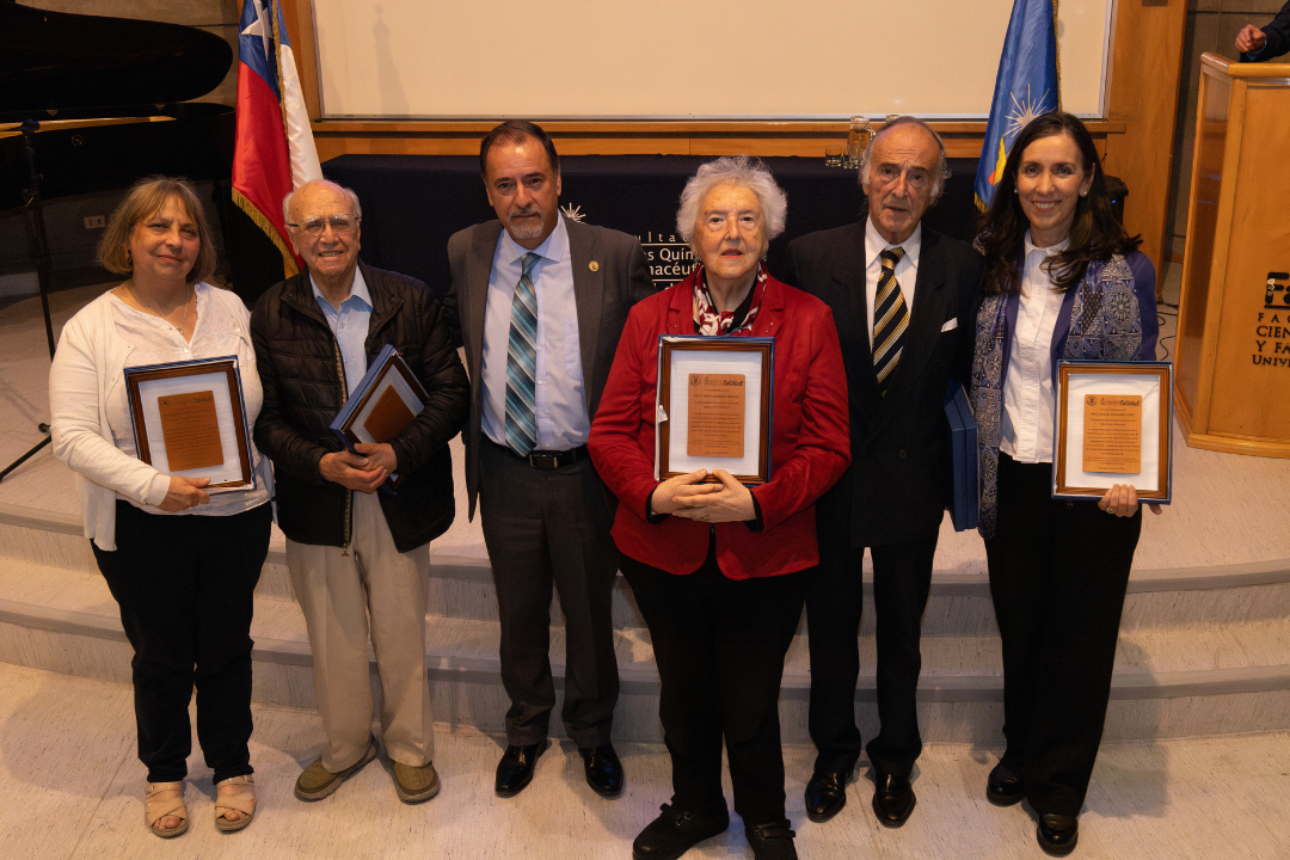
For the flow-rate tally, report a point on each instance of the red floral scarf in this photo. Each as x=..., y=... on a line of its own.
x=709, y=321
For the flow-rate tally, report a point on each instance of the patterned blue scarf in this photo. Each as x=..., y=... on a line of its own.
x=1106, y=325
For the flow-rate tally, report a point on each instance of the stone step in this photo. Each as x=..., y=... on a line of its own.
x=462, y=586
x=1199, y=678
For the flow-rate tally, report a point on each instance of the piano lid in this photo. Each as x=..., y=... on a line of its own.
x=57, y=61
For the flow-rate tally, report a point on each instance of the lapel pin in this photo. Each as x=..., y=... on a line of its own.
x=594, y=266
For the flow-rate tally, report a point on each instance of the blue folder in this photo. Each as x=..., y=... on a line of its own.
x=961, y=439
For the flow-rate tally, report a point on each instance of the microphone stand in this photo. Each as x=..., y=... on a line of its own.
x=34, y=209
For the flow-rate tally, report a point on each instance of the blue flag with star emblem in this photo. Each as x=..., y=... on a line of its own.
x=1027, y=85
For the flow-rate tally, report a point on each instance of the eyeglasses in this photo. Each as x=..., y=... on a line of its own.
x=340, y=225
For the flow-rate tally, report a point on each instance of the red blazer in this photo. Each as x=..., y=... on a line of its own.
x=810, y=444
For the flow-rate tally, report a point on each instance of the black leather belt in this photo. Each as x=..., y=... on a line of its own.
x=548, y=459
x=556, y=459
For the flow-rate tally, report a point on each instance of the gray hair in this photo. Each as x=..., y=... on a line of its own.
x=751, y=173
x=942, y=168
x=353, y=198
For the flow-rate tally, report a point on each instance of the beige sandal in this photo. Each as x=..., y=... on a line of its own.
x=239, y=797
x=163, y=799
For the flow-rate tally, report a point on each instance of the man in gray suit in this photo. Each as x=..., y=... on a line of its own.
x=539, y=302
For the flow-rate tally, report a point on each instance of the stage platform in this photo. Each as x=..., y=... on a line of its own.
x=1204, y=646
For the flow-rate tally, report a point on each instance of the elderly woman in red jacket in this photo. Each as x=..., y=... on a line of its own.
x=720, y=571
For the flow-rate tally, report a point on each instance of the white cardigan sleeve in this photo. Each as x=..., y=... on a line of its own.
x=79, y=382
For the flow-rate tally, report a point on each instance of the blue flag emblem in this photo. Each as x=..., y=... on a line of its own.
x=1027, y=85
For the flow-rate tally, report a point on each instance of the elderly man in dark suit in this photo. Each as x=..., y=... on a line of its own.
x=539, y=302
x=902, y=298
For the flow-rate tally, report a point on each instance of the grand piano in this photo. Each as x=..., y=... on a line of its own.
x=111, y=100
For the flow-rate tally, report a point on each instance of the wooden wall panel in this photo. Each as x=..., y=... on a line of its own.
x=1146, y=68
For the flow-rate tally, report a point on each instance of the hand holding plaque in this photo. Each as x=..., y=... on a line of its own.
x=1113, y=427
x=723, y=418
x=388, y=398
x=190, y=421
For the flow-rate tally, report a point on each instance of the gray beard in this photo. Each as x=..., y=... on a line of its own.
x=524, y=232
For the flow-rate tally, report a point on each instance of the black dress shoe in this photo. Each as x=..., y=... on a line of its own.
x=604, y=770
x=772, y=841
x=515, y=770
x=1058, y=833
x=893, y=799
x=675, y=832
x=826, y=794
x=1003, y=787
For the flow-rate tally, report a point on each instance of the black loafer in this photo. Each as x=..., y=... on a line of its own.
x=893, y=799
x=1058, y=833
x=675, y=832
x=515, y=770
x=1003, y=787
x=826, y=794
x=604, y=770
x=772, y=841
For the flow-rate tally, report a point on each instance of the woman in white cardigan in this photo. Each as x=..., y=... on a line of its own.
x=181, y=563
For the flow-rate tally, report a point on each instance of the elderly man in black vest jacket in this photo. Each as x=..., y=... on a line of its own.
x=355, y=553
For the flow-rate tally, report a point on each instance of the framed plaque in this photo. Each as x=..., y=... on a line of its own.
x=713, y=406
x=387, y=399
x=189, y=421
x=1114, y=426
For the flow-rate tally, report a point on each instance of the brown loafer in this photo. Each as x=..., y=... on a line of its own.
x=317, y=782
x=415, y=784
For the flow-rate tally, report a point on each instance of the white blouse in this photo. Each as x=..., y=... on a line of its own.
x=1028, y=397
x=90, y=424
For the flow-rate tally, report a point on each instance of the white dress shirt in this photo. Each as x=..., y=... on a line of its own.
x=1028, y=396
x=906, y=269
x=562, y=421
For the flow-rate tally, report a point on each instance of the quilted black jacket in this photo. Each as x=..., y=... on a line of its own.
x=303, y=380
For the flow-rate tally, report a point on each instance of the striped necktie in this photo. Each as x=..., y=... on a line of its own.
x=890, y=319
x=521, y=364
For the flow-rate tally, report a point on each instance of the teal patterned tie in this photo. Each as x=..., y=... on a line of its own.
x=890, y=319
x=521, y=364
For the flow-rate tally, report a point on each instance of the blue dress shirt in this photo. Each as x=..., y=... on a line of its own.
x=349, y=325
x=562, y=421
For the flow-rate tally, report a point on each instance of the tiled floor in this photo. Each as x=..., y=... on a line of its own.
x=70, y=787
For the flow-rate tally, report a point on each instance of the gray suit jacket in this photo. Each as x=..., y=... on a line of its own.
x=609, y=276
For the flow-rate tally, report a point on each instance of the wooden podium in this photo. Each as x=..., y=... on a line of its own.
x=1232, y=371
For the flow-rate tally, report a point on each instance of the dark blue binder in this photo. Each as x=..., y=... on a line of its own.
x=388, y=359
x=961, y=439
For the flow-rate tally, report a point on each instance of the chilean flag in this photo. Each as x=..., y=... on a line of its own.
x=275, y=146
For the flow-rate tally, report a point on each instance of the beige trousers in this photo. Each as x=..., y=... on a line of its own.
x=339, y=591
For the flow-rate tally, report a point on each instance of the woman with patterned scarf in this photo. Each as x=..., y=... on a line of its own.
x=1063, y=281
x=720, y=571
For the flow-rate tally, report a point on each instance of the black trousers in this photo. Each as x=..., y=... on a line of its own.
x=542, y=527
x=902, y=578
x=186, y=586
x=719, y=645
x=1058, y=574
